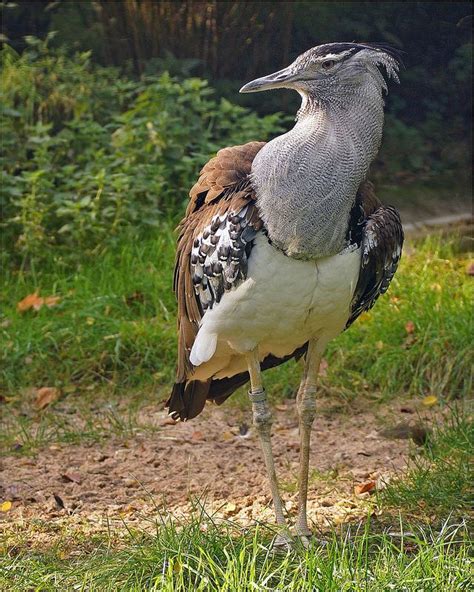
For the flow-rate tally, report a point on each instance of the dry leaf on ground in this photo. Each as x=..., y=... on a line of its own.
x=368, y=486
x=35, y=301
x=430, y=400
x=45, y=396
x=72, y=476
x=5, y=506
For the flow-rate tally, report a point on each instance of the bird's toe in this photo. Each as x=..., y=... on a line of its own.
x=283, y=542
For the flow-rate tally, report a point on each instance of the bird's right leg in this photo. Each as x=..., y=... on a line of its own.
x=306, y=404
x=262, y=419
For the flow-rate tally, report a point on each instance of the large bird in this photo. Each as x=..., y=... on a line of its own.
x=284, y=244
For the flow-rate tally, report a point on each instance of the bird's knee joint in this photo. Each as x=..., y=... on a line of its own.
x=307, y=410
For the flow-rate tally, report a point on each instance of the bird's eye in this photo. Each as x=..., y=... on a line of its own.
x=328, y=64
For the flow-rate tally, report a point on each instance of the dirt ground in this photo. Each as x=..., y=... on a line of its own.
x=216, y=459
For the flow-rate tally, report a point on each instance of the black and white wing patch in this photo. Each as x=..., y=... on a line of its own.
x=382, y=241
x=220, y=254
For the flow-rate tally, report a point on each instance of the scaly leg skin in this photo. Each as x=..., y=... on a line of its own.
x=306, y=404
x=262, y=419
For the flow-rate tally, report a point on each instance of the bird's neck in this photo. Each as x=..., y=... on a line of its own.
x=307, y=179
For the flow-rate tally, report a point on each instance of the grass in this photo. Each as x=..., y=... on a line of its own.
x=113, y=333
x=115, y=326
x=207, y=556
x=439, y=480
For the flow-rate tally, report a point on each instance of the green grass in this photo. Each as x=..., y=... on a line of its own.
x=203, y=555
x=440, y=476
x=115, y=325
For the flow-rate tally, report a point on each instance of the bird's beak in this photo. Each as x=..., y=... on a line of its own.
x=278, y=79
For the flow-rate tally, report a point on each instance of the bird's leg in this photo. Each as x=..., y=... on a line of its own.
x=306, y=404
x=262, y=419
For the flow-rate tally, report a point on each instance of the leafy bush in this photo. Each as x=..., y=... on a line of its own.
x=88, y=152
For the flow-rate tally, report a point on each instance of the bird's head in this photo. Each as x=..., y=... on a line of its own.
x=334, y=72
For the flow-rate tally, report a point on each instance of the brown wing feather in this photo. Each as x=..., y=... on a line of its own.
x=223, y=186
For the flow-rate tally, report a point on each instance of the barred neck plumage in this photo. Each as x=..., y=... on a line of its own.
x=307, y=179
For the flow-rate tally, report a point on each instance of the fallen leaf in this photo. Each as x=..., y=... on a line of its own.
x=35, y=301
x=379, y=345
x=197, y=436
x=410, y=327
x=72, y=476
x=470, y=268
x=230, y=509
x=50, y=301
x=368, y=486
x=430, y=400
x=46, y=395
x=364, y=317
x=5, y=506
x=30, y=301
x=227, y=436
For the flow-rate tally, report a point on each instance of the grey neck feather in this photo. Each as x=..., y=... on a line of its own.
x=306, y=180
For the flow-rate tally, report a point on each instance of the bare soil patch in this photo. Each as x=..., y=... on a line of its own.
x=215, y=459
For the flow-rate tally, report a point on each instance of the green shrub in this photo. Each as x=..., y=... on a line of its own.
x=88, y=152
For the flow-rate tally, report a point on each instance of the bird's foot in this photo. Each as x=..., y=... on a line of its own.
x=283, y=542
x=304, y=536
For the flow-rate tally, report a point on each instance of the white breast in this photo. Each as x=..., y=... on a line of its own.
x=280, y=306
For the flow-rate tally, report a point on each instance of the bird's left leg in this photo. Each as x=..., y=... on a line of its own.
x=262, y=418
x=306, y=405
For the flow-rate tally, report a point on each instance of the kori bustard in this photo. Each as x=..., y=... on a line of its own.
x=284, y=244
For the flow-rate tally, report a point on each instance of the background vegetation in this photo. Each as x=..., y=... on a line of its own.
x=104, y=124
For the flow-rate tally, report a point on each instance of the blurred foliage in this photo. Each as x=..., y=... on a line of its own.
x=104, y=126
x=88, y=152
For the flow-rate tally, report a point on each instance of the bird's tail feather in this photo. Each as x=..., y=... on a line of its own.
x=188, y=398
